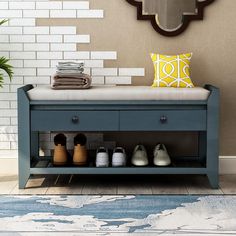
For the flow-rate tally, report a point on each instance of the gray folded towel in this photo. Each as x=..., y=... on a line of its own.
x=70, y=67
x=70, y=63
x=64, y=72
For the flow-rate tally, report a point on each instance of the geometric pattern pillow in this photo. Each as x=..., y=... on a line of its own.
x=172, y=71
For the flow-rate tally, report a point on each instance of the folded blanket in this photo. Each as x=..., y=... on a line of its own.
x=71, y=81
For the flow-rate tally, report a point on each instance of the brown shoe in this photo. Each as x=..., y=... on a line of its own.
x=80, y=156
x=60, y=156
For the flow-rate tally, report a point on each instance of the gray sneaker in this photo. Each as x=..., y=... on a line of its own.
x=119, y=157
x=139, y=157
x=102, y=157
x=161, y=156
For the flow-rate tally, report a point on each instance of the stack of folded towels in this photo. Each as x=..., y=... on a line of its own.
x=69, y=75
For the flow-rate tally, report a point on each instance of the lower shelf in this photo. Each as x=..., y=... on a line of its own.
x=114, y=171
x=193, y=167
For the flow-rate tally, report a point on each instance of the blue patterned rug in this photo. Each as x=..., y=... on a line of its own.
x=122, y=215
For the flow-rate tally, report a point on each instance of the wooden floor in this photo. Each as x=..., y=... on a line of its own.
x=118, y=185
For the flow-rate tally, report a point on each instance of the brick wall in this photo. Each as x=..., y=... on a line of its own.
x=35, y=50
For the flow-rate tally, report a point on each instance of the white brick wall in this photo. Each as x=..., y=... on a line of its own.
x=118, y=80
x=49, y=38
x=49, y=55
x=76, y=55
x=10, y=30
x=76, y=38
x=104, y=55
x=13, y=121
x=4, y=38
x=36, y=30
x=104, y=71
x=36, y=63
x=22, y=22
x=4, y=104
x=22, y=39
x=11, y=47
x=63, y=30
x=36, y=47
x=63, y=14
x=5, y=121
x=90, y=14
x=35, y=50
x=25, y=71
x=40, y=80
x=131, y=72
x=5, y=145
x=94, y=63
x=55, y=47
x=21, y=5
x=3, y=5
x=48, y=5
x=36, y=13
x=17, y=63
x=10, y=13
x=99, y=80
x=22, y=55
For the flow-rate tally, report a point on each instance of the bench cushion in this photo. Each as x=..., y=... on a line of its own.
x=119, y=93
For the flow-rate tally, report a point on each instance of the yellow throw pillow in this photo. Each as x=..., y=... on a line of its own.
x=172, y=71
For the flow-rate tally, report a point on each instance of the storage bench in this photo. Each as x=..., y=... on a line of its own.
x=127, y=108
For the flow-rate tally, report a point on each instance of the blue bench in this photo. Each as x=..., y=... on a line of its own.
x=201, y=116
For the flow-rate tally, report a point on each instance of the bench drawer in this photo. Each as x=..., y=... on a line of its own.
x=75, y=120
x=174, y=120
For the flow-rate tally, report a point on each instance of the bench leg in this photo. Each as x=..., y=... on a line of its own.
x=24, y=160
x=24, y=136
x=212, y=161
x=213, y=180
x=213, y=139
x=23, y=178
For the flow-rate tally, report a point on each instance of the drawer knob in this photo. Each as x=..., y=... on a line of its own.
x=163, y=119
x=75, y=119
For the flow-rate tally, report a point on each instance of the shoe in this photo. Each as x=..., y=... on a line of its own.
x=161, y=156
x=139, y=157
x=102, y=157
x=60, y=155
x=80, y=156
x=119, y=157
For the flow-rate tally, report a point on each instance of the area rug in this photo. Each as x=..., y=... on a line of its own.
x=118, y=215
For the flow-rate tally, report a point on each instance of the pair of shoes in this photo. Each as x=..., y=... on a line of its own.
x=118, y=157
x=62, y=157
x=161, y=156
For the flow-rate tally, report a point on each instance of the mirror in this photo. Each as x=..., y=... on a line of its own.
x=170, y=17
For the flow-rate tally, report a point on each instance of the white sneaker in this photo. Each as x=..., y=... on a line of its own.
x=139, y=157
x=102, y=157
x=161, y=156
x=119, y=157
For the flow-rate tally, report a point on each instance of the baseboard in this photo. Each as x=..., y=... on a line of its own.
x=8, y=163
x=8, y=166
x=227, y=164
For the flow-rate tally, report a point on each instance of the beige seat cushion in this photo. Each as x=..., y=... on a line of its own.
x=119, y=93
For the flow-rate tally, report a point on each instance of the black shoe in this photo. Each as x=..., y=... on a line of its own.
x=60, y=139
x=80, y=139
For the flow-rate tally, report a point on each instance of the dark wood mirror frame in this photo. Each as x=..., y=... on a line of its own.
x=186, y=20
